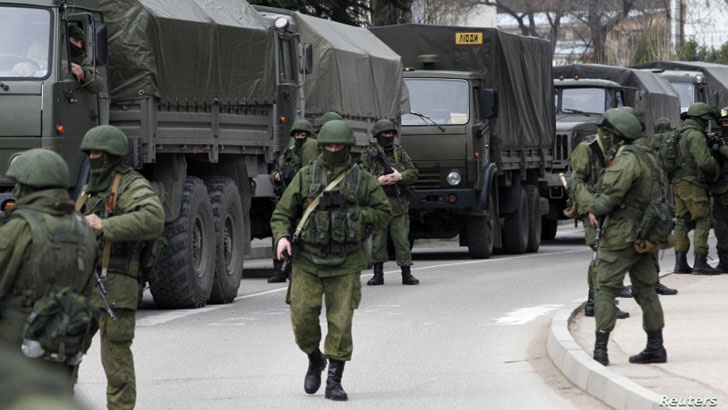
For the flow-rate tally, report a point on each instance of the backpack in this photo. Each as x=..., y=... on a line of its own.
x=666, y=146
x=58, y=327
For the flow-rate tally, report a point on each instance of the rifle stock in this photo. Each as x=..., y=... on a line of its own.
x=102, y=293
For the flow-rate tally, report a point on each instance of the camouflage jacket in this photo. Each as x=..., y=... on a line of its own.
x=696, y=162
x=398, y=158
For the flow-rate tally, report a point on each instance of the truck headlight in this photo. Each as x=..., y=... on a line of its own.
x=454, y=178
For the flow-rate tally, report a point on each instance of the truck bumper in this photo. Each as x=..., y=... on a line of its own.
x=444, y=199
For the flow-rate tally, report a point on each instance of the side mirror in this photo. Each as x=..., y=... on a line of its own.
x=307, y=58
x=488, y=103
x=101, y=54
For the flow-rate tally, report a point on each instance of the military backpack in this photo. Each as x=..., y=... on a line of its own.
x=666, y=146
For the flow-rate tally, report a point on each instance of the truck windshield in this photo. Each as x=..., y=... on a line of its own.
x=24, y=42
x=584, y=100
x=687, y=94
x=445, y=102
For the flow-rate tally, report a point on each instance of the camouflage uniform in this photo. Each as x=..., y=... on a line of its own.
x=692, y=205
x=632, y=180
x=25, y=274
x=137, y=216
x=92, y=81
x=374, y=159
x=330, y=257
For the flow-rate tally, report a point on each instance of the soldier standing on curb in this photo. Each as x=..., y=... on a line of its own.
x=720, y=191
x=288, y=165
x=341, y=205
x=633, y=179
x=41, y=222
x=692, y=204
x=123, y=209
x=396, y=173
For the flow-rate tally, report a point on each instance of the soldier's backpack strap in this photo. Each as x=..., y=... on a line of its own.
x=313, y=204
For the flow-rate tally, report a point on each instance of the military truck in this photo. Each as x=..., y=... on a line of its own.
x=583, y=92
x=695, y=81
x=206, y=94
x=480, y=132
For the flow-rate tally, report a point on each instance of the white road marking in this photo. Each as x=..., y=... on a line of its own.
x=525, y=315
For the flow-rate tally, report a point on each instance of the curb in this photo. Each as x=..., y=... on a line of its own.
x=613, y=389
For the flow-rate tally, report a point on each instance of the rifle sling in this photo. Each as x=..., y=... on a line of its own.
x=315, y=202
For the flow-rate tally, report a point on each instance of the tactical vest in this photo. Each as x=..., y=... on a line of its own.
x=687, y=166
x=634, y=204
x=63, y=252
x=334, y=228
x=123, y=254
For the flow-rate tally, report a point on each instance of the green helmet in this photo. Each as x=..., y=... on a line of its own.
x=662, y=125
x=336, y=132
x=382, y=126
x=621, y=123
x=302, y=126
x=328, y=116
x=39, y=168
x=701, y=111
x=106, y=138
x=632, y=111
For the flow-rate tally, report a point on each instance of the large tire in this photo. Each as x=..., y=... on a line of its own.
x=187, y=271
x=534, y=219
x=515, y=227
x=548, y=228
x=228, y=212
x=480, y=231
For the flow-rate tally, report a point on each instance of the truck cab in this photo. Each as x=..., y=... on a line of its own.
x=690, y=86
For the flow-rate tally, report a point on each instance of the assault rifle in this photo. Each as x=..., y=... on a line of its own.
x=288, y=257
x=102, y=292
x=388, y=170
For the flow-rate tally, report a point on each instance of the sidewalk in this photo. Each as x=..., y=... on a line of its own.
x=696, y=338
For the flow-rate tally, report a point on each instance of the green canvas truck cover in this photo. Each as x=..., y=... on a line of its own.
x=716, y=75
x=656, y=97
x=518, y=67
x=189, y=51
x=354, y=73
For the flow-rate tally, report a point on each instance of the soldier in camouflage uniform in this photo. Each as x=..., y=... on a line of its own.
x=85, y=73
x=311, y=149
x=396, y=173
x=288, y=165
x=329, y=252
x=692, y=205
x=136, y=216
x=720, y=190
x=633, y=179
x=41, y=190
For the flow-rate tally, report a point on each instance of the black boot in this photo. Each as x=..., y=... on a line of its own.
x=316, y=365
x=681, y=263
x=621, y=314
x=278, y=275
x=334, y=390
x=600, y=347
x=625, y=293
x=701, y=267
x=664, y=290
x=407, y=278
x=654, y=352
x=723, y=263
x=589, y=306
x=378, y=278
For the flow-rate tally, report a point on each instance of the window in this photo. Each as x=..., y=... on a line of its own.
x=439, y=101
x=25, y=35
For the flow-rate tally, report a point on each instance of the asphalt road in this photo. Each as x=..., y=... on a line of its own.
x=472, y=335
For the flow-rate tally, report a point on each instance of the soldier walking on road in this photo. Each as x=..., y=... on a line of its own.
x=633, y=180
x=341, y=205
x=288, y=165
x=45, y=248
x=692, y=204
x=396, y=173
x=121, y=206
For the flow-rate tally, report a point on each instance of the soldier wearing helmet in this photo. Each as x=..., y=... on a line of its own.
x=396, y=173
x=288, y=164
x=310, y=150
x=337, y=205
x=633, y=179
x=42, y=214
x=719, y=150
x=121, y=206
x=692, y=207
x=84, y=72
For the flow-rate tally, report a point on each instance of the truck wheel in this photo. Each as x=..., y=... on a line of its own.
x=480, y=232
x=187, y=271
x=548, y=228
x=228, y=212
x=515, y=227
x=534, y=219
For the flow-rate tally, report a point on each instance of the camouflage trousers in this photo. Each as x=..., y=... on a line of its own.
x=692, y=208
x=342, y=295
x=398, y=230
x=611, y=267
x=720, y=217
x=117, y=359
